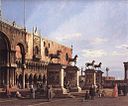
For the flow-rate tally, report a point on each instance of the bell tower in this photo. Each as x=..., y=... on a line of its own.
x=126, y=71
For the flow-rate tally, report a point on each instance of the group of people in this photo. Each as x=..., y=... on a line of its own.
x=92, y=92
x=33, y=93
x=122, y=89
x=96, y=91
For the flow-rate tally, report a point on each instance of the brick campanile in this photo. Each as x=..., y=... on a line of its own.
x=126, y=70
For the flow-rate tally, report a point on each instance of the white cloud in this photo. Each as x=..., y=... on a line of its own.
x=68, y=36
x=122, y=46
x=98, y=40
x=94, y=53
x=115, y=53
x=118, y=53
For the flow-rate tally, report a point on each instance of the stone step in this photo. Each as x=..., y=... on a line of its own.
x=66, y=95
x=78, y=94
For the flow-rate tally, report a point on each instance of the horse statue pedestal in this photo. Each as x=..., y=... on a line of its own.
x=99, y=81
x=90, y=78
x=72, y=76
x=93, y=77
x=55, y=78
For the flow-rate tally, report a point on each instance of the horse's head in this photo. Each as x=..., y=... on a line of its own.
x=76, y=56
x=93, y=61
x=100, y=63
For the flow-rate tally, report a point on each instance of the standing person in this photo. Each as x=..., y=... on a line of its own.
x=95, y=89
x=124, y=89
x=92, y=92
x=99, y=91
x=86, y=95
x=68, y=86
x=119, y=89
x=49, y=92
x=115, y=91
x=32, y=90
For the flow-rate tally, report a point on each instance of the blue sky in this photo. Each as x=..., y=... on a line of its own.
x=97, y=29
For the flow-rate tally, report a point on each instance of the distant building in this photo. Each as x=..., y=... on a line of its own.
x=108, y=82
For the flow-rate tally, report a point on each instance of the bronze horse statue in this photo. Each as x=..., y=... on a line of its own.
x=90, y=64
x=55, y=56
x=98, y=66
x=73, y=59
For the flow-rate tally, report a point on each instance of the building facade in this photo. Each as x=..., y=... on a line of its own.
x=108, y=81
x=25, y=57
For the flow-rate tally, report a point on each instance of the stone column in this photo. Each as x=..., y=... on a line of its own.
x=27, y=82
x=8, y=69
x=62, y=81
x=11, y=74
x=7, y=82
x=13, y=81
x=14, y=77
x=62, y=77
x=23, y=73
x=78, y=86
x=94, y=78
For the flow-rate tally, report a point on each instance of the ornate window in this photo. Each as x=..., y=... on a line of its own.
x=36, y=50
x=18, y=52
x=46, y=52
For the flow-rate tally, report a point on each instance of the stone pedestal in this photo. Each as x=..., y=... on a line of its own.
x=72, y=78
x=55, y=76
x=90, y=78
x=99, y=78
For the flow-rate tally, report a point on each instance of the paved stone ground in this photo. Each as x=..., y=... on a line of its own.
x=107, y=101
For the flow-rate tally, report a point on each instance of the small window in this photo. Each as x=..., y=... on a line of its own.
x=49, y=45
x=46, y=52
x=36, y=50
x=44, y=44
x=66, y=57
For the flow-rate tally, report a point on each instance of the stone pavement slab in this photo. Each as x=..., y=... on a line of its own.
x=106, y=101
